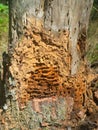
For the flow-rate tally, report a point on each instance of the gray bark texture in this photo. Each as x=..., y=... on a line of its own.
x=47, y=45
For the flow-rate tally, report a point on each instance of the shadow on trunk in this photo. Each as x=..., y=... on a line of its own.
x=5, y=64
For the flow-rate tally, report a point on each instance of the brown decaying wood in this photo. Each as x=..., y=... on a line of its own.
x=41, y=68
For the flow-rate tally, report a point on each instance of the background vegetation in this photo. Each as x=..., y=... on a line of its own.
x=3, y=28
x=92, y=52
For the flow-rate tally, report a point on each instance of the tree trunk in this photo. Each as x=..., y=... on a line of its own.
x=47, y=48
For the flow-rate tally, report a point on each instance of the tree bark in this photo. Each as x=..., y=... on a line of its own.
x=47, y=46
x=56, y=16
